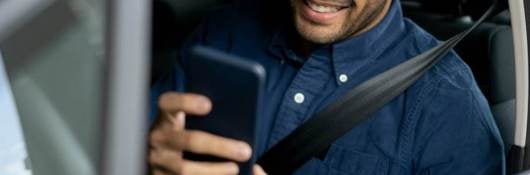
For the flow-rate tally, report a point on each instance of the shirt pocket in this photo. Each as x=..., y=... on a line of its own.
x=344, y=161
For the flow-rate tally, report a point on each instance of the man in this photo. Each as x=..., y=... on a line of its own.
x=440, y=125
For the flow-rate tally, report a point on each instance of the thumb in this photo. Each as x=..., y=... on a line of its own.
x=179, y=121
x=258, y=170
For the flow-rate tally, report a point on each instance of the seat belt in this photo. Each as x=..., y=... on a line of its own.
x=315, y=136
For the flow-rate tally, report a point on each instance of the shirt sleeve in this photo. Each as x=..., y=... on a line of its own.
x=457, y=134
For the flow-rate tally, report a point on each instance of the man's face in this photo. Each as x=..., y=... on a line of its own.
x=327, y=21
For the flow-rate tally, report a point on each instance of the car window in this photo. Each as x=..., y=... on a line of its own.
x=13, y=155
x=57, y=86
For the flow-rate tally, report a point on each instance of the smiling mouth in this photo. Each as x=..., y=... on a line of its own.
x=322, y=7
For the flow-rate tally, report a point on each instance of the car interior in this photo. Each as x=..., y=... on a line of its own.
x=62, y=61
x=56, y=109
x=37, y=77
x=488, y=50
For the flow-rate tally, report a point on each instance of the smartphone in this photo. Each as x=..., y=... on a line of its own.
x=235, y=86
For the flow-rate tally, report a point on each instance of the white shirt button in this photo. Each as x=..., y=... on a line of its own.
x=299, y=98
x=343, y=78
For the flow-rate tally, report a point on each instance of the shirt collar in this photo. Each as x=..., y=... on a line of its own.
x=350, y=55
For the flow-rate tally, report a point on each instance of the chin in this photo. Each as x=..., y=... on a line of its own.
x=318, y=32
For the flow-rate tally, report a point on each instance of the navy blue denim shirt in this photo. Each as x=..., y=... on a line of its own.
x=440, y=125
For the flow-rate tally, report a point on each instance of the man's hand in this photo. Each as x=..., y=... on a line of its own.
x=169, y=139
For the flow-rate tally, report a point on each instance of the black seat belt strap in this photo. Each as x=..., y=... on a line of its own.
x=316, y=135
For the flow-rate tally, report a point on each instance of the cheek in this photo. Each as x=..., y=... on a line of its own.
x=350, y=20
x=344, y=20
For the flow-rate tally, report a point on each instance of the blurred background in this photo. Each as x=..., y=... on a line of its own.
x=53, y=53
x=62, y=63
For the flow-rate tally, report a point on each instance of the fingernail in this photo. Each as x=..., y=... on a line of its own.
x=233, y=168
x=203, y=104
x=258, y=170
x=244, y=151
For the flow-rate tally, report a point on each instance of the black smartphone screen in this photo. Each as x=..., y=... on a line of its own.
x=234, y=85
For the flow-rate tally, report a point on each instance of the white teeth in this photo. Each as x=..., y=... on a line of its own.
x=322, y=9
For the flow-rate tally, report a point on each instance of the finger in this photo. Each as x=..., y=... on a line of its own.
x=166, y=137
x=258, y=170
x=179, y=121
x=172, y=122
x=209, y=168
x=165, y=161
x=201, y=143
x=163, y=137
x=172, y=137
x=172, y=162
x=159, y=172
x=173, y=102
x=205, y=143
